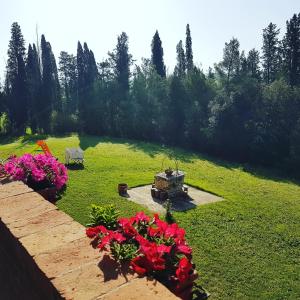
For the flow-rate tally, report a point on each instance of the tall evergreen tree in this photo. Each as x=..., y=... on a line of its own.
x=188, y=49
x=34, y=87
x=229, y=67
x=50, y=85
x=270, y=57
x=291, y=50
x=181, y=63
x=80, y=76
x=68, y=79
x=16, y=88
x=121, y=61
x=157, y=57
x=87, y=74
x=253, y=64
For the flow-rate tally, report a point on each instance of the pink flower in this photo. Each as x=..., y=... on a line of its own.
x=38, y=175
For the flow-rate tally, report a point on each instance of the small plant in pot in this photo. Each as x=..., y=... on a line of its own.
x=43, y=173
x=151, y=246
x=169, y=171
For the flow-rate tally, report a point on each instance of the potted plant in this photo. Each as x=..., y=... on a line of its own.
x=151, y=246
x=169, y=171
x=43, y=173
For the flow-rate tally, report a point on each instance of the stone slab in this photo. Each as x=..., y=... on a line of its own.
x=91, y=281
x=52, y=238
x=23, y=206
x=13, y=188
x=68, y=257
x=142, y=195
x=141, y=288
x=43, y=221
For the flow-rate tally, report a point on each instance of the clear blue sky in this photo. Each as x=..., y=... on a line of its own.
x=98, y=22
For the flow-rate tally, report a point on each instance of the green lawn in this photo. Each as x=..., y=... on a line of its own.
x=246, y=247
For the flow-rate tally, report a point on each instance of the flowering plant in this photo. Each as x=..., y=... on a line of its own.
x=38, y=171
x=153, y=247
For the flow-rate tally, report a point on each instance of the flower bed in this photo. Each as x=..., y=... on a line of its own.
x=153, y=248
x=40, y=172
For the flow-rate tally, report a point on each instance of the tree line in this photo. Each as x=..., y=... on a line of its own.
x=246, y=108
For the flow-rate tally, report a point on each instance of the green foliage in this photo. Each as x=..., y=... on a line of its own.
x=50, y=86
x=15, y=83
x=63, y=122
x=188, y=49
x=123, y=252
x=157, y=56
x=103, y=215
x=169, y=216
x=271, y=53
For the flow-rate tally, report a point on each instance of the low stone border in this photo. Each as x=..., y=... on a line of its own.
x=44, y=254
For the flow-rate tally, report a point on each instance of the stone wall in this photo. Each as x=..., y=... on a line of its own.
x=44, y=254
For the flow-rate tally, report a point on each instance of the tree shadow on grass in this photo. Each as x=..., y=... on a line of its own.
x=88, y=141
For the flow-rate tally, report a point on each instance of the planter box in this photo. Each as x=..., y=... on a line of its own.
x=48, y=193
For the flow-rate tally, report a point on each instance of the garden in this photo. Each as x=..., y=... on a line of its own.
x=245, y=247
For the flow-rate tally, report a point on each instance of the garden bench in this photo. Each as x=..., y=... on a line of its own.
x=74, y=154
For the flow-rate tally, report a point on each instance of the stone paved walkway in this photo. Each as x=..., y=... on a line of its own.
x=46, y=239
x=142, y=195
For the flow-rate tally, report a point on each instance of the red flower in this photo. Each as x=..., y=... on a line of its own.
x=117, y=237
x=140, y=265
x=104, y=242
x=153, y=231
x=126, y=225
x=141, y=217
x=183, y=270
x=184, y=249
x=163, y=249
x=91, y=232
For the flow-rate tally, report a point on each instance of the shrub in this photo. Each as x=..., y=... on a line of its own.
x=38, y=171
x=106, y=215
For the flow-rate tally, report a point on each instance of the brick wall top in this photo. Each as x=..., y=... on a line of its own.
x=58, y=246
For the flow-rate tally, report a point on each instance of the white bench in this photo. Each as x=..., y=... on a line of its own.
x=74, y=154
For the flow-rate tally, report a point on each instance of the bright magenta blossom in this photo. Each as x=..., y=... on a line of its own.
x=36, y=169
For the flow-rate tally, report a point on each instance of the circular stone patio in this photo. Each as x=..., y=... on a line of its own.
x=142, y=195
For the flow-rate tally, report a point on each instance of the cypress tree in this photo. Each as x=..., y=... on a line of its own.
x=188, y=49
x=34, y=87
x=121, y=61
x=50, y=85
x=16, y=88
x=68, y=79
x=157, y=57
x=181, y=63
x=291, y=50
x=270, y=57
x=87, y=75
x=80, y=76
